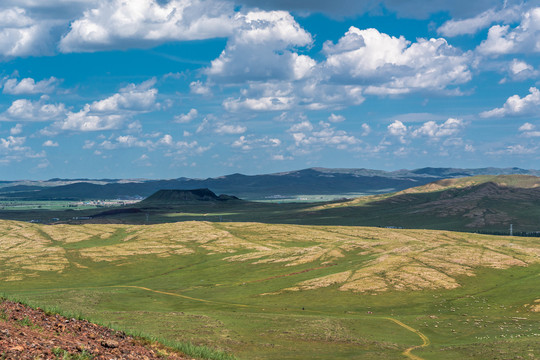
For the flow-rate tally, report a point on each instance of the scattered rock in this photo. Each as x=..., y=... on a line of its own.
x=111, y=344
x=49, y=332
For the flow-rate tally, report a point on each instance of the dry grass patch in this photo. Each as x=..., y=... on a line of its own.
x=536, y=306
x=76, y=233
x=402, y=259
x=24, y=249
x=375, y=259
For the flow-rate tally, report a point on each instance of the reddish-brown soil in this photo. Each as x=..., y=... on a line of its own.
x=27, y=333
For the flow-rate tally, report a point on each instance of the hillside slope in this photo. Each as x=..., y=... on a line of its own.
x=29, y=334
x=483, y=203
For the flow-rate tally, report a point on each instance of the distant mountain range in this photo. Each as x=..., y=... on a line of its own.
x=313, y=181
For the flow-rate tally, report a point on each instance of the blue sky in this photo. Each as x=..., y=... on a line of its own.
x=201, y=88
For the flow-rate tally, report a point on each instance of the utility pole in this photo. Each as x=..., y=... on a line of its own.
x=511, y=230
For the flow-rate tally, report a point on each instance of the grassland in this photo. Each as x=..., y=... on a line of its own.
x=265, y=291
x=478, y=204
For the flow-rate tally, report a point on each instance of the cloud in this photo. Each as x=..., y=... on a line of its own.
x=526, y=127
x=284, y=95
x=165, y=142
x=84, y=120
x=197, y=87
x=366, y=129
x=388, y=65
x=281, y=157
x=229, y=129
x=519, y=70
x=110, y=113
x=260, y=49
x=518, y=149
x=29, y=86
x=16, y=130
x=517, y=106
x=524, y=38
x=250, y=142
x=308, y=138
x=432, y=130
x=119, y=24
x=529, y=130
x=185, y=118
x=301, y=126
x=133, y=97
x=28, y=110
x=481, y=21
x=12, y=143
x=50, y=143
x=272, y=96
x=333, y=118
x=12, y=149
x=266, y=103
x=21, y=35
x=398, y=129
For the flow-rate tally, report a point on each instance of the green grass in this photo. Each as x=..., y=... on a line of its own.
x=26, y=322
x=210, y=305
x=62, y=354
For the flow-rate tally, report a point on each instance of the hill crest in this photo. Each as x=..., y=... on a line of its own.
x=177, y=196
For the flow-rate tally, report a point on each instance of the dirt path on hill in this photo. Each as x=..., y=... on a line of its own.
x=425, y=340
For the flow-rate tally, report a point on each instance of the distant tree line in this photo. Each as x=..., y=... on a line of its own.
x=506, y=233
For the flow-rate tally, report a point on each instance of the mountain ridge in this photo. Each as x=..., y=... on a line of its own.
x=310, y=181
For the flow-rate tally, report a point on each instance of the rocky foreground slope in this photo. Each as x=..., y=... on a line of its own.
x=27, y=333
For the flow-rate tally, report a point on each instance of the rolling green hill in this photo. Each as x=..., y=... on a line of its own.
x=480, y=203
x=263, y=291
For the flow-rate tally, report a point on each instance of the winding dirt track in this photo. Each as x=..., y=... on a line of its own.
x=407, y=352
x=424, y=338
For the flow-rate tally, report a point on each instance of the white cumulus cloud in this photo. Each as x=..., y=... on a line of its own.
x=111, y=112
x=185, y=118
x=50, y=143
x=308, y=137
x=336, y=118
x=431, y=129
x=261, y=49
x=529, y=130
x=517, y=106
x=228, y=129
x=144, y=23
x=250, y=142
x=481, y=21
x=391, y=65
x=16, y=130
x=525, y=38
x=21, y=35
x=197, y=87
x=397, y=128
x=29, y=86
x=28, y=110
